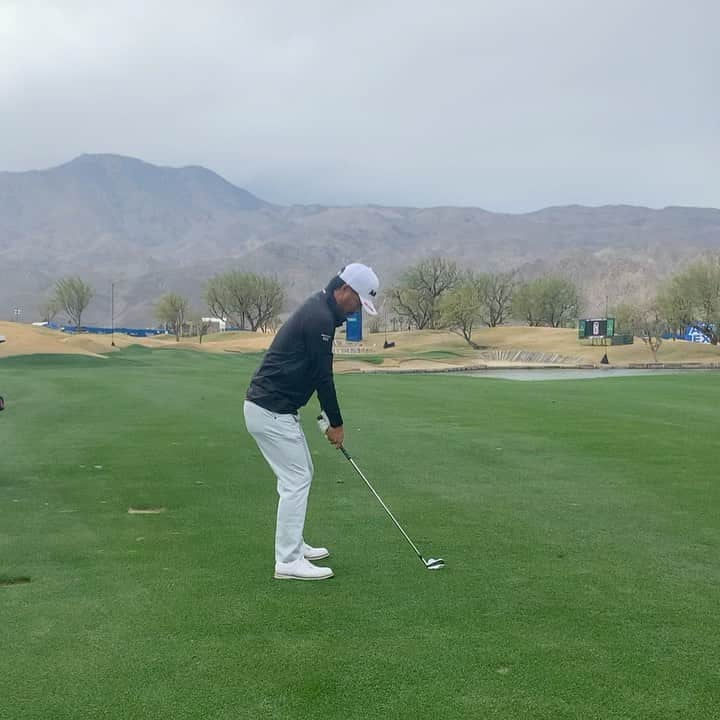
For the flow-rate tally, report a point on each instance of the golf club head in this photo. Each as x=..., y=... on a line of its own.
x=434, y=563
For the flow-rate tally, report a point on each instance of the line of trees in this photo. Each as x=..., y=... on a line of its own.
x=242, y=299
x=246, y=299
x=435, y=293
x=690, y=299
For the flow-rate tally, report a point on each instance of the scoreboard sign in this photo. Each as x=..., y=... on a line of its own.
x=596, y=328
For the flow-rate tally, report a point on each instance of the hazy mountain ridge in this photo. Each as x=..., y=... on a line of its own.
x=151, y=229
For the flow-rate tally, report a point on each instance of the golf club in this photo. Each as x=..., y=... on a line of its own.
x=430, y=563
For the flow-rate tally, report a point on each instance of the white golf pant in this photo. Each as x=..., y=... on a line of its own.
x=282, y=443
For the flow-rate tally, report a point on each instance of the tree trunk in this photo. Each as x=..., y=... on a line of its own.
x=466, y=335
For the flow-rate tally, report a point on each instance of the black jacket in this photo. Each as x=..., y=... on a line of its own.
x=299, y=361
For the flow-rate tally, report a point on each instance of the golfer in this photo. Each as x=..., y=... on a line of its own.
x=297, y=364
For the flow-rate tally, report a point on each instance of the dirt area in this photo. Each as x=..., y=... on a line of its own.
x=22, y=339
x=531, y=340
x=445, y=350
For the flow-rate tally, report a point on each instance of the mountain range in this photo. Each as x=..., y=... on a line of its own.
x=150, y=230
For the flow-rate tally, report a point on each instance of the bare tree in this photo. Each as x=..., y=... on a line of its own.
x=199, y=326
x=267, y=299
x=416, y=296
x=73, y=296
x=462, y=308
x=650, y=326
x=218, y=298
x=496, y=292
x=645, y=321
x=229, y=295
x=173, y=309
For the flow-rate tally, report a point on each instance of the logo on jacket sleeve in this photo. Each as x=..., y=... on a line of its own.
x=326, y=338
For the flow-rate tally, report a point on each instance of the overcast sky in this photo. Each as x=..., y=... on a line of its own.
x=502, y=104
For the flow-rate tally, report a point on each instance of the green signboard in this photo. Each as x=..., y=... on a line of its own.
x=596, y=328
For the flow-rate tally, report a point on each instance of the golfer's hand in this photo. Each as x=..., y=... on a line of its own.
x=336, y=435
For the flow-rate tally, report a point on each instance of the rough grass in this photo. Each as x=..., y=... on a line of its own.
x=578, y=520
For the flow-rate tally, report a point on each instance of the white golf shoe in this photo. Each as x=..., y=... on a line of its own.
x=301, y=569
x=313, y=553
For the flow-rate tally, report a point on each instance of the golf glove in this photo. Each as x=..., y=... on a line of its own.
x=323, y=422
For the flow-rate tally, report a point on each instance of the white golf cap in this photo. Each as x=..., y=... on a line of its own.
x=363, y=281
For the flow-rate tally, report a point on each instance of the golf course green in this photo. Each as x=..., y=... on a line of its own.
x=579, y=521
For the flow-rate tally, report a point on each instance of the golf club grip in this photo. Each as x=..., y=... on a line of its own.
x=345, y=453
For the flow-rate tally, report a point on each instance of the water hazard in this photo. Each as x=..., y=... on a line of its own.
x=529, y=374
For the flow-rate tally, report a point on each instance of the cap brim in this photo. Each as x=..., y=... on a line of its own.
x=369, y=307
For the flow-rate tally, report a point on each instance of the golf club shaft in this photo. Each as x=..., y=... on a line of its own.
x=380, y=500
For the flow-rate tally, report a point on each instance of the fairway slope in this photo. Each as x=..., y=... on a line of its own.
x=413, y=350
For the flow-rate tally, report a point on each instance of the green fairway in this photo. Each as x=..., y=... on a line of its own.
x=579, y=521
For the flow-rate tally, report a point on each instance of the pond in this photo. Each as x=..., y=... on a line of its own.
x=570, y=373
